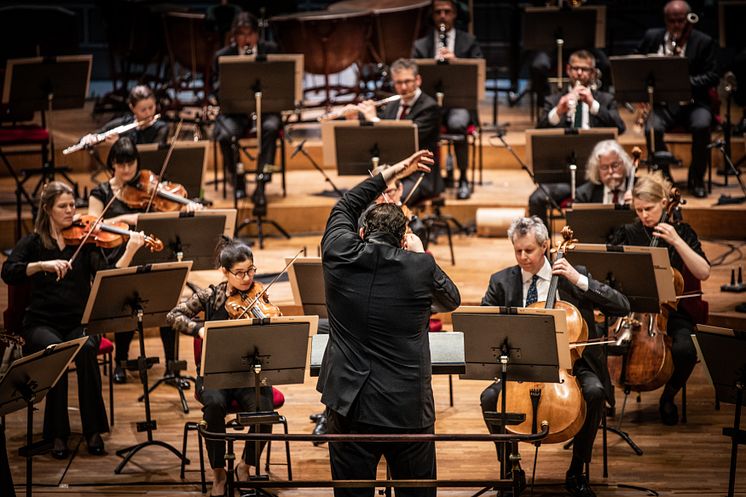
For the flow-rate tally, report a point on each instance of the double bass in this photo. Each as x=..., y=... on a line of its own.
x=561, y=404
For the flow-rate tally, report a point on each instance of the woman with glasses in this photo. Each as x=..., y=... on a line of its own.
x=608, y=175
x=236, y=262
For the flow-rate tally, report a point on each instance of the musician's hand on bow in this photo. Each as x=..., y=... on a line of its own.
x=666, y=232
x=418, y=161
x=562, y=267
x=412, y=243
x=58, y=266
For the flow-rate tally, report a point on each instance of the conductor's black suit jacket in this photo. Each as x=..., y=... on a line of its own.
x=506, y=289
x=377, y=368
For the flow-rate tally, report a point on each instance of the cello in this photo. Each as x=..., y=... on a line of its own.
x=561, y=404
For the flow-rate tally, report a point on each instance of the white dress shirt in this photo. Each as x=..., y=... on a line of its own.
x=554, y=118
x=409, y=103
x=609, y=196
x=542, y=284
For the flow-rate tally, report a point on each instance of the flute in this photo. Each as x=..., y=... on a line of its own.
x=338, y=113
x=100, y=137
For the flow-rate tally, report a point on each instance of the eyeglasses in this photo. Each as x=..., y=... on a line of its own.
x=582, y=68
x=243, y=274
x=613, y=166
x=404, y=82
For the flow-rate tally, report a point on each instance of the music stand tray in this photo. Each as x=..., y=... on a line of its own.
x=460, y=81
x=549, y=152
x=306, y=277
x=667, y=76
x=187, y=164
x=279, y=78
x=594, y=223
x=543, y=26
x=351, y=146
x=28, y=380
x=186, y=236
x=136, y=298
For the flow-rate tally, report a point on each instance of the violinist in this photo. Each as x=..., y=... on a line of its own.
x=679, y=38
x=123, y=163
x=236, y=262
x=650, y=199
x=527, y=283
x=608, y=173
x=142, y=103
x=59, y=292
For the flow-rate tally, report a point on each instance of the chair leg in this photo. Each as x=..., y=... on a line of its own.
x=109, y=363
x=683, y=404
x=184, y=449
x=284, y=166
x=269, y=451
x=287, y=449
x=201, y=463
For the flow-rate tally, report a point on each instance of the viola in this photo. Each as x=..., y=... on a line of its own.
x=560, y=403
x=103, y=234
x=252, y=303
x=169, y=196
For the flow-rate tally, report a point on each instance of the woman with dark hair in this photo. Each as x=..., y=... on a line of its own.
x=59, y=292
x=236, y=262
x=123, y=163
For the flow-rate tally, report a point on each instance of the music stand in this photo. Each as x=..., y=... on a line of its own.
x=243, y=353
x=355, y=147
x=306, y=277
x=187, y=161
x=594, y=223
x=554, y=28
x=531, y=342
x=27, y=382
x=724, y=353
x=457, y=83
x=136, y=298
x=44, y=84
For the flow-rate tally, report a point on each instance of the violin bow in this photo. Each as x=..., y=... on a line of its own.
x=261, y=294
x=90, y=231
x=165, y=164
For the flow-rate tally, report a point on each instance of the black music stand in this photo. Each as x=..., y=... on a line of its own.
x=244, y=353
x=724, y=353
x=458, y=83
x=532, y=343
x=306, y=277
x=187, y=163
x=256, y=84
x=136, y=298
x=594, y=223
x=355, y=148
x=27, y=382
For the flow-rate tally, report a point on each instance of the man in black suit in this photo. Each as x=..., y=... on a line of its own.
x=445, y=43
x=679, y=38
x=577, y=107
x=376, y=372
x=607, y=176
x=415, y=106
x=528, y=282
x=229, y=128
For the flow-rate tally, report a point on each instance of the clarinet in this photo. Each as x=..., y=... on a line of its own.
x=442, y=39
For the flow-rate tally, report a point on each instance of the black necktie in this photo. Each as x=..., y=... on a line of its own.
x=532, y=296
x=404, y=111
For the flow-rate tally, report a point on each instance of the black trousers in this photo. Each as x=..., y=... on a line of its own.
x=594, y=395
x=696, y=118
x=123, y=339
x=231, y=127
x=92, y=409
x=680, y=328
x=538, y=203
x=457, y=122
x=6, y=477
x=215, y=406
x=359, y=461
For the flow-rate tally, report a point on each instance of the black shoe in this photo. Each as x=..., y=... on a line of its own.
x=315, y=417
x=669, y=412
x=464, y=192
x=120, y=376
x=95, y=445
x=577, y=486
x=698, y=191
x=59, y=449
x=320, y=429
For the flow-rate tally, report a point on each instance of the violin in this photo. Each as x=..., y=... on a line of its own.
x=560, y=403
x=169, y=196
x=103, y=234
x=252, y=303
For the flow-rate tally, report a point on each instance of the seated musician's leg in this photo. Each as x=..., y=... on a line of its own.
x=700, y=119
x=228, y=130
x=214, y=408
x=457, y=122
x=271, y=125
x=684, y=354
x=538, y=202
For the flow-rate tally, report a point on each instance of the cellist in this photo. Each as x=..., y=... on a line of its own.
x=527, y=283
x=650, y=198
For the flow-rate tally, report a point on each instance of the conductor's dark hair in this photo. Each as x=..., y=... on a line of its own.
x=244, y=20
x=122, y=152
x=383, y=218
x=139, y=93
x=231, y=252
x=453, y=3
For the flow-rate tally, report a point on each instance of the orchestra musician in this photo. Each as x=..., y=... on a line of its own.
x=527, y=283
x=650, y=197
x=579, y=106
x=679, y=38
x=142, y=103
x=123, y=163
x=444, y=43
x=376, y=373
x=608, y=175
x=229, y=128
x=59, y=292
x=417, y=107
x=236, y=262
